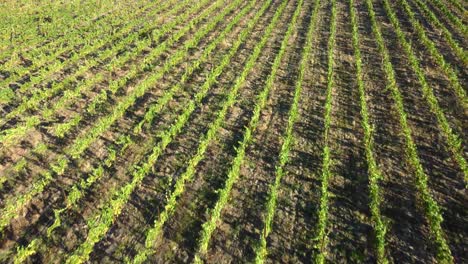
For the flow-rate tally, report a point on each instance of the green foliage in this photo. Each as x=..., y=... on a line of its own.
x=214, y=127
x=459, y=25
x=436, y=55
x=113, y=208
x=380, y=227
x=81, y=143
x=261, y=250
x=321, y=235
x=25, y=252
x=210, y=225
x=207, y=138
x=432, y=210
x=459, y=51
x=453, y=140
x=42, y=55
x=69, y=96
x=6, y=94
x=90, y=51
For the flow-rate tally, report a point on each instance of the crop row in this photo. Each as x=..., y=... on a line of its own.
x=89, y=44
x=80, y=144
x=12, y=135
x=120, y=41
x=431, y=207
x=321, y=235
x=374, y=172
x=78, y=190
x=61, y=129
x=223, y=194
x=436, y=55
x=453, y=140
x=210, y=136
x=455, y=46
x=135, y=69
x=459, y=25
x=45, y=23
x=261, y=250
x=38, y=95
x=99, y=225
x=83, y=23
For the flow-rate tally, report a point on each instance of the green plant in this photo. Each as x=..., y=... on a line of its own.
x=321, y=236
x=375, y=174
x=431, y=207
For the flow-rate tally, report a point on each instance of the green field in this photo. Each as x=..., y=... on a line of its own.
x=274, y=131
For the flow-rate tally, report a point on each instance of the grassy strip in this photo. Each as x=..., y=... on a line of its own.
x=459, y=51
x=431, y=208
x=375, y=174
x=261, y=250
x=454, y=19
x=99, y=225
x=436, y=55
x=83, y=142
x=321, y=236
x=211, y=135
x=453, y=140
x=79, y=189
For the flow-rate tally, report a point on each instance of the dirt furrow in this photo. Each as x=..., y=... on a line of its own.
x=147, y=203
x=445, y=178
x=350, y=231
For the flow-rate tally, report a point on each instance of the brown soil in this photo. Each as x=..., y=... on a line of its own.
x=350, y=233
